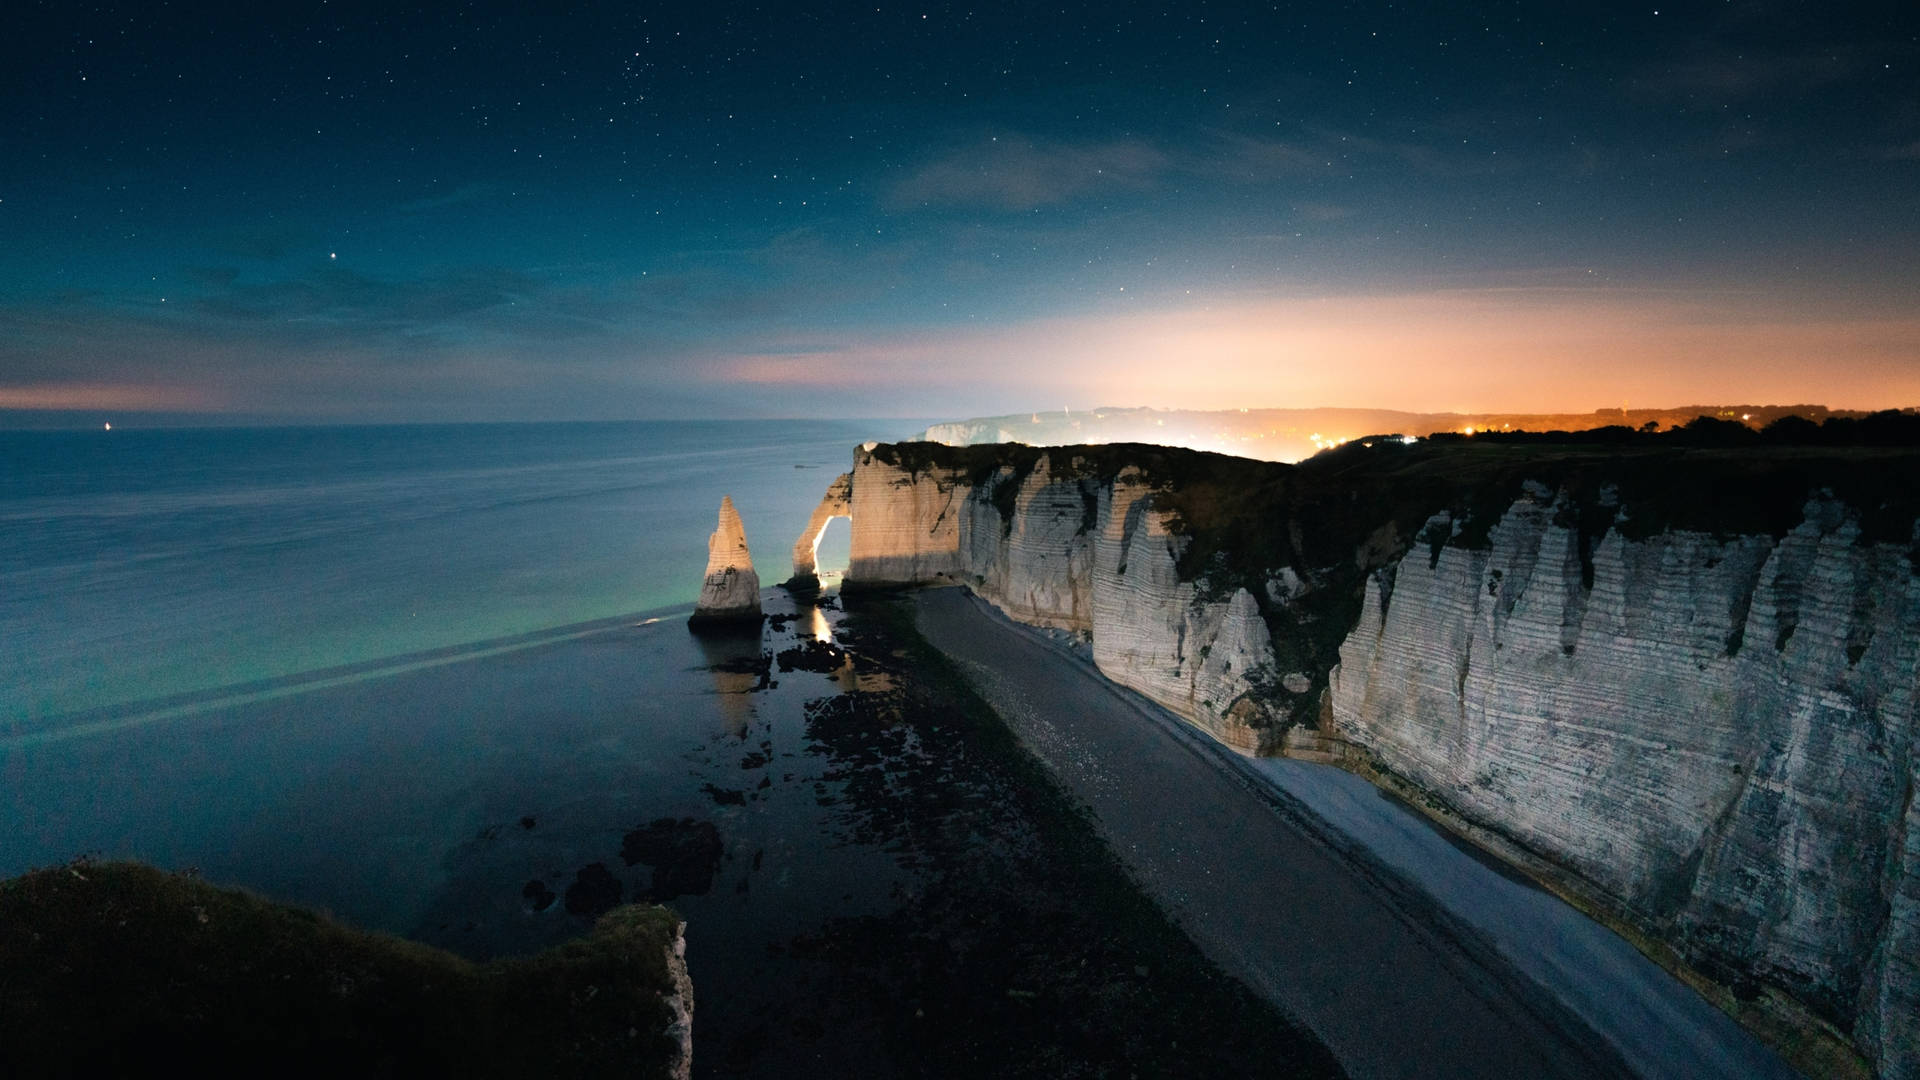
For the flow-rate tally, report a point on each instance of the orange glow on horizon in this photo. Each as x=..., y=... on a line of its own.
x=1488, y=350
x=104, y=397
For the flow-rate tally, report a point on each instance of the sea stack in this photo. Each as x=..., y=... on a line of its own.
x=731, y=594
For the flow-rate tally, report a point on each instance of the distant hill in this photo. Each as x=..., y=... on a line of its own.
x=1295, y=434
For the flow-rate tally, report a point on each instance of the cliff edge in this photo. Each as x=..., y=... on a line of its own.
x=109, y=968
x=1673, y=677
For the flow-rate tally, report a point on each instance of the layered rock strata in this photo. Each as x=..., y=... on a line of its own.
x=1715, y=736
x=731, y=591
x=1707, y=737
x=1059, y=547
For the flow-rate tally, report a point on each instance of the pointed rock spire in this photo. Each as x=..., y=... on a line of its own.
x=732, y=589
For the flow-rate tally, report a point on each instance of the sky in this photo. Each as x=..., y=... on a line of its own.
x=326, y=212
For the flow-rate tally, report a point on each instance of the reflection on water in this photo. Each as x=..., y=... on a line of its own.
x=738, y=667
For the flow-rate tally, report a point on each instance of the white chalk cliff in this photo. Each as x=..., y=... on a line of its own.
x=1708, y=739
x=731, y=591
x=1715, y=737
x=1074, y=553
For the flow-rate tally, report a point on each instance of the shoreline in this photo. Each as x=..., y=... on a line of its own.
x=876, y=878
x=1520, y=931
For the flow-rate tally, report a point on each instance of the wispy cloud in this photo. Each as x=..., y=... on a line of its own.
x=119, y=397
x=1016, y=172
x=265, y=244
x=1019, y=173
x=341, y=300
x=1236, y=157
x=465, y=193
x=1718, y=72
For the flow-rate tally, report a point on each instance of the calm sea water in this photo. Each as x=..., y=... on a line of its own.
x=139, y=565
x=320, y=662
x=438, y=681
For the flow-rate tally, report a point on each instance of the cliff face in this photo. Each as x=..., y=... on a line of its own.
x=1707, y=735
x=680, y=1001
x=1062, y=547
x=1715, y=732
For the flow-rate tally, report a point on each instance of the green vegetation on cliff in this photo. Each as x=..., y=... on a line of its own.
x=116, y=969
x=1356, y=509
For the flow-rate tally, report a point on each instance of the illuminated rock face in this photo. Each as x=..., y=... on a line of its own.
x=836, y=503
x=1064, y=550
x=1718, y=733
x=1712, y=738
x=731, y=592
x=905, y=526
x=1155, y=634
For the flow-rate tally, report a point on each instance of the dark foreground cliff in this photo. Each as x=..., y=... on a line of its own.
x=118, y=969
x=1671, y=676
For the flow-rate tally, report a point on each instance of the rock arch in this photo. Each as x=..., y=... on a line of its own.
x=837, y=502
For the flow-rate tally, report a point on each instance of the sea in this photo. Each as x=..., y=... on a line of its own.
x=400, y=673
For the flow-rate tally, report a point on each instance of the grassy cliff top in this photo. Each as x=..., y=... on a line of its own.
x=116, y=968
x=1337, y=516
x=1711, y=476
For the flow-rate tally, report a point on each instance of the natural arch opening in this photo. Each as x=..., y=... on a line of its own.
x=832, y=549
x=817, y=543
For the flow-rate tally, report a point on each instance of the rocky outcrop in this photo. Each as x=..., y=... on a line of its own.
x=680, y=1002
x=108, y=963
x=1706, y=735
x=731, y=592
x=836, y=503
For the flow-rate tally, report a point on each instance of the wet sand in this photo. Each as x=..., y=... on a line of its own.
x=1408, y=956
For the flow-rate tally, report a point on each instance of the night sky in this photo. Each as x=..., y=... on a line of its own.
x=324, y=212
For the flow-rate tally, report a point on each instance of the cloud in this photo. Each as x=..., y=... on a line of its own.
x=1237, y=157
x=324, y=340
x=338, y=302
x=213, y=276
x=1018, y=173
x=1909, y=152
x=263, y=244
x=119, y=397
x=465, y=193
x=1723, y=73
x=801, y=349
x=1317, y=211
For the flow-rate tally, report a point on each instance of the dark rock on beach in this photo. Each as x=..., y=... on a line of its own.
x=594, y=892
x=683, y=853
